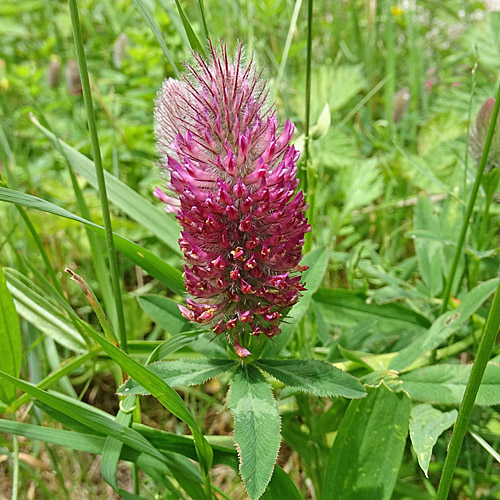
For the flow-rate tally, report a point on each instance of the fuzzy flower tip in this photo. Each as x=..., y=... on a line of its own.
x=478, y=135
x=232, y=177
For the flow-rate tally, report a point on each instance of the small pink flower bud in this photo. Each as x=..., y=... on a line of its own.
x=73, y=77
x=120, y=50
x=53, y=73
x=479, y=133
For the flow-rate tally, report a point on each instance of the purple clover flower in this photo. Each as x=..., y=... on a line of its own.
x=233, y=176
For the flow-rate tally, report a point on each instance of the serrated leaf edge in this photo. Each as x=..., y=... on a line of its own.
x=121, y=392
x=238, y=450
x=323, y=394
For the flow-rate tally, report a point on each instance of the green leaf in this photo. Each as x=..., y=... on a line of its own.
x=445, y=384
x=440, y=128
x=10, y=340
x=156, y=267
x=89, y=417
x=365, y=457
x=314, y=376
x=429, y=253
x=426, y=425
x=444, y=326
x=223, y=446
x=181, y=468
x=256, y=428
x=77, y=441
x=193, y=39
x=320, y=129
x=113, y=447
x=281, y=487
x=335, y=85
x=37, y=310
x=146, y=214
x=317, y=261
x=148, y=17
x=162, y=391
x=360, y=186
x=164, y=312
x=173, y=344
x=347, y=308
x=180, y=372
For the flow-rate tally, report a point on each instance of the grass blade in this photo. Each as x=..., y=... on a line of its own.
x=99, y=171
x=193, y=39
x=204, y=26
x=122, y=196
x=112, y=448
x=148, y=17
x=10, y=340
x=165, y=395
x=158, y=268
x=490, y=332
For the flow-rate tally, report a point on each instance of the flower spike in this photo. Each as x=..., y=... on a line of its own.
x=232, y=180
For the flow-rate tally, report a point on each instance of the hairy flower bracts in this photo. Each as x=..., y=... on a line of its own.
x=234, y=173
x=478, y=135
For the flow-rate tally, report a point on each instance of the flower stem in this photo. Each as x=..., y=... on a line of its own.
x=15, y=475
x=470, y=205
x=306, y=175
x=94, y=140
x=483, y=355
x=390, y=64
x=305, y=163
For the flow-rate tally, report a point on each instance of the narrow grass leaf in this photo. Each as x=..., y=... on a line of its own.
x=162, y=391
x=148, y=17
x=256, y=428
x=10, y=340
x=367, y=452
x=41, y=313
x=172, y=345
x=204, y=26
x=156, y=267
x=165, y=228
x=348, y=307
x=97, y=308
x=88, y=416
x=193, y=39
x=223, y=446
x=66, y=420
x=486, y=446
x=313, y=376
x=445, y=384
x=67, y=367
x=54, y=361
x=113, y=447
x=77, y=441
x=426, y=425
x=445, y=325
x=180, y=467
x=181, y=372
